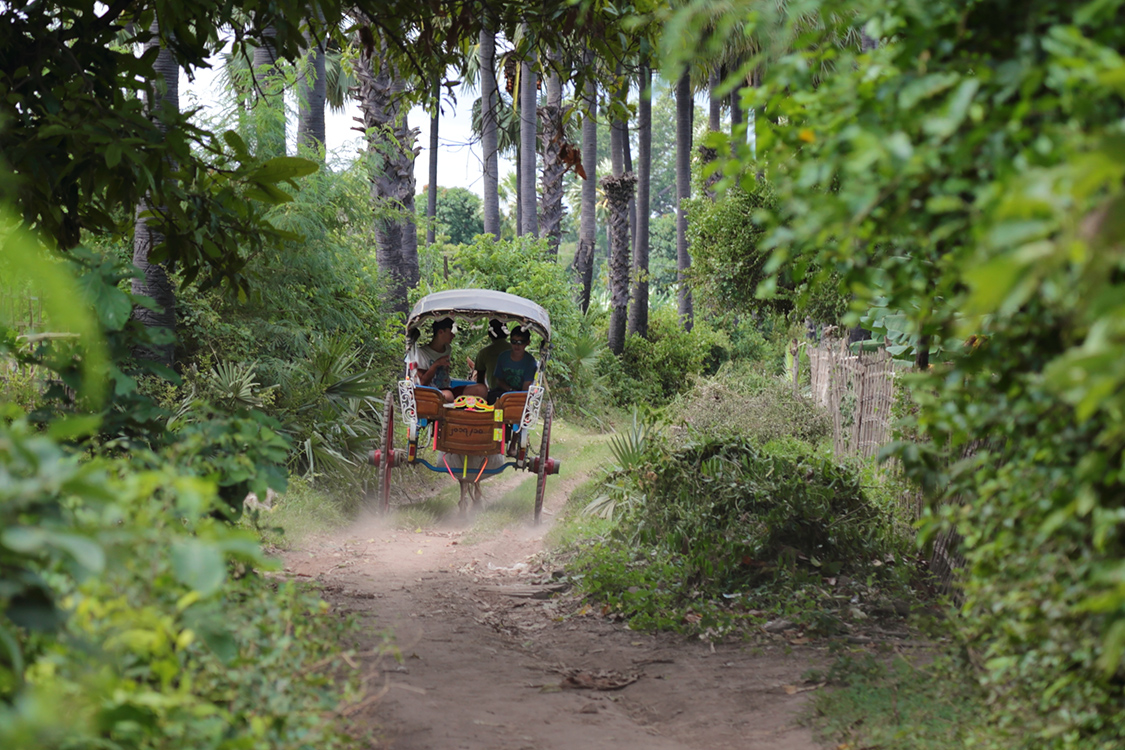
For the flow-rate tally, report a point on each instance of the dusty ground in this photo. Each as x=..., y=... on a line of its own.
x=488, y=661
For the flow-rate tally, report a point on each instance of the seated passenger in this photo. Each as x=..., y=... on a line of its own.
x=486, y=357
x=515, y=369
x=432, y=363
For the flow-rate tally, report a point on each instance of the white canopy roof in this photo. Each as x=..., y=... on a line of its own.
x=477, y=304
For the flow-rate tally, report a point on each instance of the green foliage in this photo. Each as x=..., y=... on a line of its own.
x=459, y=216
x=897, y=704
x=721, y=527
x=966, y=175
x=119, y=603
x=745, y=402
x=728, y=262
x=664, y=364
x=730, y=269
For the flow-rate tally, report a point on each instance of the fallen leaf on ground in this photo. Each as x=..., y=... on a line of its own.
x=605, y=679
x=794, y=689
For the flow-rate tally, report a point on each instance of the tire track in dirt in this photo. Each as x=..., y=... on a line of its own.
x=483, y=660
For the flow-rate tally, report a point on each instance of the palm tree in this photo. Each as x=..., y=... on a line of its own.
x=587, y=232
x=431, y=188
x=618, y=191
x=552, y=139
x=528, y=211
x=685, y=108
x=638, y=312
x=153, y=281
x=271, y=96
x=489, y=100
x=311, y=97
x=392, y=186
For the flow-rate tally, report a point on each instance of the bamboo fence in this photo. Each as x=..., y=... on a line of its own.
x=857, y=388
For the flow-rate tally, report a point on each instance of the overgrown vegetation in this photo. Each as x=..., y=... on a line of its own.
x=902, y=702
x=718, y=528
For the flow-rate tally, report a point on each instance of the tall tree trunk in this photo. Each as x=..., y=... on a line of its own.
x=714, y=125
x=312, y=93
x=489, y=140
x=551, y=139
x=392, y=187
x=638, y=311
x=618, y=192
x=431, y=189
x=153, y=281
x=271, y=97
x=528, y=199
x=715, y=113
x=735, y=114
x=588, y=228
x=685, y=109
x=519, y=191
x=627, y=154
x=617, y=138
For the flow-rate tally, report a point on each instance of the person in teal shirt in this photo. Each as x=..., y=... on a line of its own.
x=515, y=369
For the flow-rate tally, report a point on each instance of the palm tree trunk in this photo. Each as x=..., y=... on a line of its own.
x=528, y=209
x=488, y=140
x=271, y=97
x=392, y=187
x=312, y=93
x=715, y=114
x=519, y=191
x=735, y=113
x=431, y=189
x=618, y=192
x=714, y=125
x=638, y=311
x=627, y=154
x=153, y=281
x=550, y=220
x=588, y=228
x=685, y=109
x=617, y=138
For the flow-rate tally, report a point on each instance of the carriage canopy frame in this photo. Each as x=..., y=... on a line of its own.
x=480, y=304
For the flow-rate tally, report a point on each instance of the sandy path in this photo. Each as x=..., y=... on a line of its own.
x=482, y=663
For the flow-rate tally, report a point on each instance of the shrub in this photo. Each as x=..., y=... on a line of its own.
x=724, y=521
x=132, y=612
x=667, y=362
x=745, y=402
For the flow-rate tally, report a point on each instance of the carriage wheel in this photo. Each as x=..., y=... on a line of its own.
x=544, y=454
x=387, y=459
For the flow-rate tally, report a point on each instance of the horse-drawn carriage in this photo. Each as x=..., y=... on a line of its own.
x=470, y=439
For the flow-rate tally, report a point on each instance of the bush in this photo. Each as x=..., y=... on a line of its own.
x=667, y=362
x=745, y=402
x=725, y=522
x=135, y=614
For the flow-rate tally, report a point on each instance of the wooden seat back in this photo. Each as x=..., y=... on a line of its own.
x=469, y=433
x=430, y=403
x=512, y=404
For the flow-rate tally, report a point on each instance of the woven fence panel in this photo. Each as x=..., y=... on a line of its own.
x=858, y=389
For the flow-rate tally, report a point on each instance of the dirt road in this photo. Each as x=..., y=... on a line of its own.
x=492, y=658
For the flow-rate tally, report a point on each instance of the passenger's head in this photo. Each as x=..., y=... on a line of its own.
x=443, y=329
x=520, y=337
x=497, y=330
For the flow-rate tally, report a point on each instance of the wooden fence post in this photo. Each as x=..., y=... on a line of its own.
x=795, y=350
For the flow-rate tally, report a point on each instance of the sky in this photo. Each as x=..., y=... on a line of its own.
x=459, y=160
